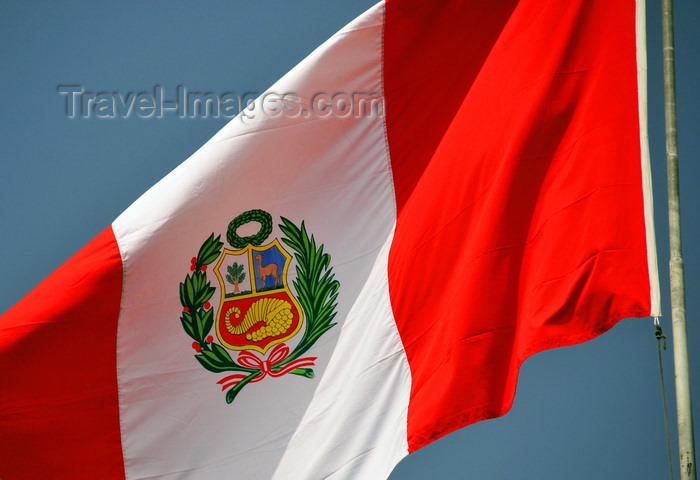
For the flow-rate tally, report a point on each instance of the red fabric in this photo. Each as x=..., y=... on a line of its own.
x=514, y=137
x=59, y=413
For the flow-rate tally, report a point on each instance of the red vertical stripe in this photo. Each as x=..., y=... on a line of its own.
x=514, y=137
x=59, y=407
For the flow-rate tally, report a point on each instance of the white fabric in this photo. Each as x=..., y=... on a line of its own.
x=327, y=171
x=655, y=289
x=372, y=382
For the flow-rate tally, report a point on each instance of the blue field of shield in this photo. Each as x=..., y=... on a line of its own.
x=268, y=266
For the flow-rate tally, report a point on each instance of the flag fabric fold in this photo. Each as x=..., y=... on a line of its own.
x=356, y=265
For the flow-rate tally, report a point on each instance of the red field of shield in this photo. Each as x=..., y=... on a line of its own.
x=254, y=320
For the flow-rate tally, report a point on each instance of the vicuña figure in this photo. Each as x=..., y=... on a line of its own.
x=268, y=270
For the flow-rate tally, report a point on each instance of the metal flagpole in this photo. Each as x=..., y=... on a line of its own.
x=686, y=442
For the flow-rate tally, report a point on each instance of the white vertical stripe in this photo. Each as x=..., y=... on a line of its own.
x=646, y=166
x=331, y=172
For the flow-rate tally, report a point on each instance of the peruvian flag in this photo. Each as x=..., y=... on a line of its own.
x=356, y=265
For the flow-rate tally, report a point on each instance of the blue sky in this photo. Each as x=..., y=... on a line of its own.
x=590, y=411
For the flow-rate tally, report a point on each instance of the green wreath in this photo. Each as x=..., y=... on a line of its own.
x=315, y=285
x=260, y=216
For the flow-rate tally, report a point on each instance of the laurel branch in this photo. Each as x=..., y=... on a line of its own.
x=316, y=288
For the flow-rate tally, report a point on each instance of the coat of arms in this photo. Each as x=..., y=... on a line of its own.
x=258, y=312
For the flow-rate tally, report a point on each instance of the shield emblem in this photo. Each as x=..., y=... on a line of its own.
x=257, y=310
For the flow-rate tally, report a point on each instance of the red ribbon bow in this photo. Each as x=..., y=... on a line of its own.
x=278, y=353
